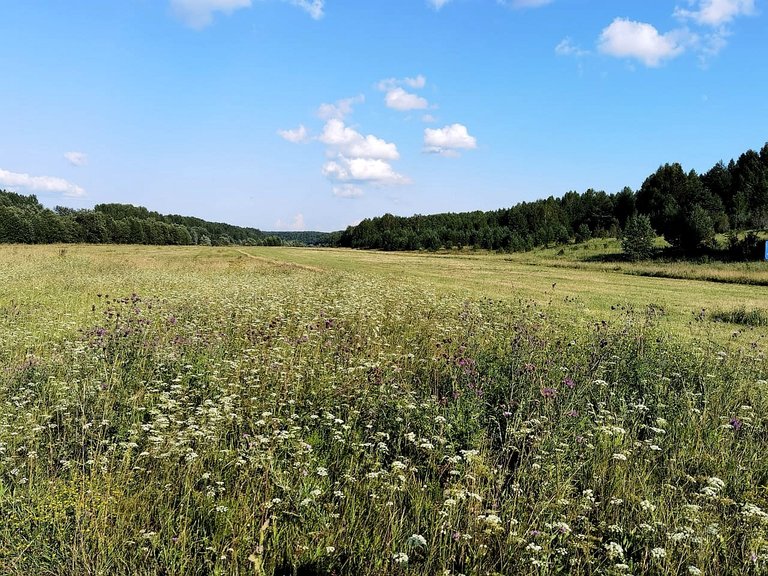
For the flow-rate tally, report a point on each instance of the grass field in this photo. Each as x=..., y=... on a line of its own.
x=295, y=411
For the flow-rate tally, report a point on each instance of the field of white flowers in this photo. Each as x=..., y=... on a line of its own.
x=284, y=420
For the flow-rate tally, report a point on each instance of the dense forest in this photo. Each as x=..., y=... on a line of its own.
x=687, y=208
x=24, y=220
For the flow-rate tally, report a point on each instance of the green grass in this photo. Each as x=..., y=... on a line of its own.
x=285, y=411
x=742, y=316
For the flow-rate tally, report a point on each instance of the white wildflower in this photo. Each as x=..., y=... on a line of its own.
x=614, y=551
x=416, y=541
x=400, y=558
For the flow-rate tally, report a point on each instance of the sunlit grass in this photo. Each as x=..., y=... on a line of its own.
x=193, y=411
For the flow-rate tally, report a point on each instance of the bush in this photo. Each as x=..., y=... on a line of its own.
x=637, y=242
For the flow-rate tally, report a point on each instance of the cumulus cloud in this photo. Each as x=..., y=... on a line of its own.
x=362, y=170
x=297, y=135
x=625, y=38
x=350, y=142
x=42, y=184
x=340, y=109
x=199, y=13
x=76, y=158
x=399, y=99
x=447, y=141
x=348, y=191
x=716, y=12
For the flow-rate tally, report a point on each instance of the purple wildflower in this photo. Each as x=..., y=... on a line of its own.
x=549, y=392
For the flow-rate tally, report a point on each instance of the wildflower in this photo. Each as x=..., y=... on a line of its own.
x=614, y=551
x=400, y=558
x=416, y=541
x=659, y=553
x=568, y=381
x=619, y=456
x=330, y=549
x=322, y=471
x=562, y=527
x=735, y=424
x=693, y=571
x=548, y=392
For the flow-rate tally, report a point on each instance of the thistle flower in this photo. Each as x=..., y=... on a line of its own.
x=548, y=392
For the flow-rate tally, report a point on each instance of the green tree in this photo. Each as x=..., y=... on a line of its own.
x=637, y=242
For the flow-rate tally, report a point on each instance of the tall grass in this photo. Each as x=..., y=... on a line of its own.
x=304, y=422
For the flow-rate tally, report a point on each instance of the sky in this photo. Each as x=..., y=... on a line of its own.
x=315, y=114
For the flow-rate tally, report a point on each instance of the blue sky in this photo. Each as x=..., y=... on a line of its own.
x=315, y=114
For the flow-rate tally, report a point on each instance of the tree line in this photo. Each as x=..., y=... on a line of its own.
x=24, y=220
x=687, y=208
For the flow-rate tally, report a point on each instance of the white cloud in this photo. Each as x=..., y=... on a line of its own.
x=297, y=136
x=351, y=143
x=447, y=141
x=76, y=158
x=417, y=82
x=625, y=38
x=437, y=4
x=296, y=224
x=566, y=47
x=312, y=7
x=347, y=191
x=199, y=13
x=362, y=170
x=428, y=119
x=716, y=12
x=388, y=84
x=399, y=99
x=43, y=184
x=340, y=109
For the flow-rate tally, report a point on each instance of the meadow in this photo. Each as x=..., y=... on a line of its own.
x=195, y=411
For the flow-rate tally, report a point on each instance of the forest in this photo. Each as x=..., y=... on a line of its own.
x=24, y=220
x=688, y=209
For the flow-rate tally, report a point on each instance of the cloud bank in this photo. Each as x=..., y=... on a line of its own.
x=42, y=184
